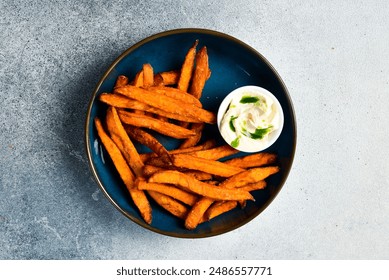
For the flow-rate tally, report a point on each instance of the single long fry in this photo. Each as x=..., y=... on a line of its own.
x=125, y=173
x=250, y=176
x=253, y=160
x=149, y=170
x=219, y=208
x=176, y=193
x=121, y=81
x=162, y=127
x=197, y=212
x=201, y=73
x=158, y=80
x=138, y=80
x=254, y=186
x=142, y=203
x=170, y=204
x=128, y=148
x=148, y=75
x=187, y=68
x=121, y=101
x=176, y=94
x=215, y=153
x=116, y=156
x=193, y=140
x=205, y=165
x=148, y=140
x=196, y=186
x=167, y=103
x=170, y=77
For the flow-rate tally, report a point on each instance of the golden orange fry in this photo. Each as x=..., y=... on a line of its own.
x=125, y=173
x=121, y=81
x=162, y=127
x=189, y=183
x=176, y=193
x=250, y=176
x=254, y=186
x=148, y=140
x=170, y=204
x=148, y=75
x=201, y=73
x=158, y=80
x=128, y=147
x=138, y=80
x=193, y=140
x=215, y=153
x=219, y=208
x=209, y=166
x=196, y=213
x=187, y=68
x=176, y=94
x=167, y=103
x=170, y=77
x=121, y=101
x=253, y=160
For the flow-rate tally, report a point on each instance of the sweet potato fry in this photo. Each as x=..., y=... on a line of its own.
x=201, y=73
x=206, y=145
x=254, y=186
x=158, y=80
x=149, y=170
x=138, y=80
x=187, y=68
x=121, y=101
x=167, y=103
x=128, y=148
x=125, y=173
x=116, y=156
x=205, y=165
x=193, y=140
x=196, y=186
x=176, y=94
x=176, y=193
x=170, y=204
x=253, y=160
x=148, y=140
x=250, y=176
x=198, y=175
x=215, y=153
x=169, y=77
x=142, y=203
x=197, y=212
x=162, y=127
x=219, y=208
x=121, y=81
x=148, y=75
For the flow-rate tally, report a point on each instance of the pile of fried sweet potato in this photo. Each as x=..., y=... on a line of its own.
x=190, y=182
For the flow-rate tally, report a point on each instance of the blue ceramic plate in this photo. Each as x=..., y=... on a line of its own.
x=233, y=64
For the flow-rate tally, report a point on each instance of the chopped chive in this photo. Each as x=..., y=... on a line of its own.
x=231, y=123
x=249, y=99
x=235, y=143
x=260, y=132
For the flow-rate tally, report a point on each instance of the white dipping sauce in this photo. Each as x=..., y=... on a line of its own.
x=252, y=119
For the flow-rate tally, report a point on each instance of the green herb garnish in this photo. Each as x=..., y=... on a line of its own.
x=249, y=99
x=235, y=143
x=232, y=127
x=260, y=132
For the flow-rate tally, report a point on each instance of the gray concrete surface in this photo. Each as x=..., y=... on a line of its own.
x=332, y=55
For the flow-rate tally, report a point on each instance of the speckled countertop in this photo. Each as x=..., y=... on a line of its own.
x=333, y=57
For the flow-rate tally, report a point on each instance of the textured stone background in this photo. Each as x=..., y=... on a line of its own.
x=332, y=55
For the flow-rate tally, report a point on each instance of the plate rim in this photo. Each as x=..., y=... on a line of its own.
x=134, y=47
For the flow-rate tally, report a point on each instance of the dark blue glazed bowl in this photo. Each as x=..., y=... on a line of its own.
x=233, y=64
